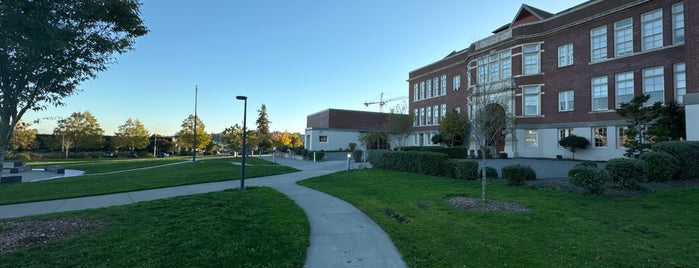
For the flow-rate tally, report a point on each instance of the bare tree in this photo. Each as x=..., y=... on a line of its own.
x=490, y=107
x=398, y=126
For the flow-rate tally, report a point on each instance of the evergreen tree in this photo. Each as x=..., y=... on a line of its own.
x=185, y=137
x=264, y=138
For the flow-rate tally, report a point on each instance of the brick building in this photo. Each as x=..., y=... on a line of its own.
x=334, y=129
x=566, y=73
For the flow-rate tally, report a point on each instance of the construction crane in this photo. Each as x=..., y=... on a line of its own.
x=383, y=102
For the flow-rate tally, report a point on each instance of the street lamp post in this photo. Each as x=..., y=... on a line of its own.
x=194, y=155
x=242, y=162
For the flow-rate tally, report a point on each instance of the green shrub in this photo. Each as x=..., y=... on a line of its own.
x=452, y=152
x=516, y=175
x=352, y=146
x=686, y=152
x=464, y=169
x=357, y=155
x=490, y=173
x=18, y=156
x=626, y=172
x=587, y=164
x=661, y=166
x=319, y=155
x=590, y=178
x=427, y=163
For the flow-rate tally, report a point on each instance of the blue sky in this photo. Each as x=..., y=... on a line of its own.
x=297, y=57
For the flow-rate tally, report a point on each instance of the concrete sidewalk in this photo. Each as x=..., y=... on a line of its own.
x=341, y=235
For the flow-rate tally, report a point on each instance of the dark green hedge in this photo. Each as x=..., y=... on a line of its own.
x=464, y=169
x=627, y=173
x=590, y=178
x=427, y=163
x=661, y=166
x=452, y=152
x=687, y=153
x=516, y=175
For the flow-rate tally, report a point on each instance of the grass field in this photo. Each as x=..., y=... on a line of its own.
x=107, y=165
x=204, y=170
x=258, y=227
x=561, y=229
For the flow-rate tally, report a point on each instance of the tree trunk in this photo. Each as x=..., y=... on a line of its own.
x=483, y=177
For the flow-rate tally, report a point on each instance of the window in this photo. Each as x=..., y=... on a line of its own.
x=429, y=88
x=435, y=82
x=444, y=111
x=598, y=44
x=415, y=114
x=565, y=132
x=457, y=82
x=600, y=135
x=422, y=90
x=565, y=101
x=531, y=100
x=428, y=115
x=444, y=84
x=416, y=91
x=494, y=67
x=678, y=23
x=623, y=136
x=422, y=117
x=435, y=119
x=565, y=55
x=506, y=64
x=652, y=30
x=680, y=83
x=623, y=37
x=494, y=64
x=530, y=137
x=624, y=88
x=323, y=138
x=457, y=110
x=530, y=59
x=654, y=85
x=599, y=93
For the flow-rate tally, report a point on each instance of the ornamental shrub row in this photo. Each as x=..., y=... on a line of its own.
x=627, y=173
x=590, y=178
x=426, y=163
x=687, y=154
x=452, y=152
x=516, y=175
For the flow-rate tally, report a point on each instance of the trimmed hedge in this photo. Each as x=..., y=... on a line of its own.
x=590, y=178
x=426, y=163
x=516, y=175
x=357, y=155
x=587, y=164
x=490, y=173
x=452, y=152
x=686, y=152
x=464, y=169
x=627, y=173
x=661, y=166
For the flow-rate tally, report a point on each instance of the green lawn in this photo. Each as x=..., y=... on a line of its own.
x=561, y=229
x=206, y=170
x=258, y=227
x=106, y=164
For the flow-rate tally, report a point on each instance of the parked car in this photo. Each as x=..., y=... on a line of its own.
x=162, y=154
x=133, y=154
x=109, y=154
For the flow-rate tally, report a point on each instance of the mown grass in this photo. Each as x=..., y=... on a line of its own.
x=207, y=170
x=258, y=227
x=106, y=164
x=562, y=229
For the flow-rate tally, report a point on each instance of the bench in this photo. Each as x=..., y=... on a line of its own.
x=57, y=169
x=10, y=179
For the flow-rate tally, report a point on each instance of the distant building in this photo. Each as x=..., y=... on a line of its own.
x=335, y=129
x=566, y=73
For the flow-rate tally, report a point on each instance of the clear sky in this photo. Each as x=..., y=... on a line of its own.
x=297, y=57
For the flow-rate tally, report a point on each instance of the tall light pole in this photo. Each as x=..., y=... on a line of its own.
x=242, y=162
x=194, y=154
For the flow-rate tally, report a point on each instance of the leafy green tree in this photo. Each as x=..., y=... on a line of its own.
x=23, y=138
x=185, y=137
x=454, y=128
x=132, y=135
x=264, y=138
x=233, y=138
x=641, y=116
x=670, y=125
x=573, y=143
x=47, y=48
x=80, y=131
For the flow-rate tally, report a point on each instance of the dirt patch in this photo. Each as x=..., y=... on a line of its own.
x=15, y=235
x=470, y=203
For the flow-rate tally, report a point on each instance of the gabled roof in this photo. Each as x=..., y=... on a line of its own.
x=525, y=14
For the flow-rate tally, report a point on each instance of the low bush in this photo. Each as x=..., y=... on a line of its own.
x=661, y=166
x=490, y=173
x=452, y=152
x=590, y=178
x=426, y=163
x=319, y=155
x=464, y=169
x=627, y=173
x=587, y=164
x=686, y=152
x=357, y=155
x=516, y=175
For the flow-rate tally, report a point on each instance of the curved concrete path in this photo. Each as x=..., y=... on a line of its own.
x=341, y=235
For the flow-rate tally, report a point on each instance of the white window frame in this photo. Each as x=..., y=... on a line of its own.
x=415, y=117
x=565, y=55
x=428, y=84
x=566, y=101
x=416, y=91
x=531, y=59
x=565, y=132
x=531, y=137
x=422, y=90
x=435, y=87
x=678, y=23
x=531, y=94
x=320, y=138
x=444, y=111
x=435, y=115
x=623, y=37
x=428, y=115
x=624, y=87
x=599, y=93
x=456, y=82
x=654, y=84
x=598, y=44
x=652, y=30
x=444, y=84
x=600, y=137
x=622, y=136
x=422, y=117
x=680, y=82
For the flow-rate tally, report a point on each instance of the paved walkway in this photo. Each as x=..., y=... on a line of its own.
x=341, y=235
